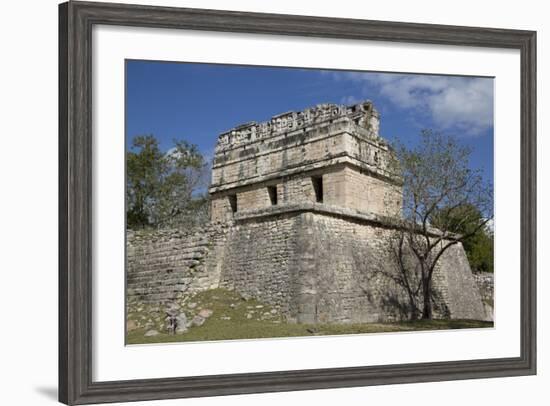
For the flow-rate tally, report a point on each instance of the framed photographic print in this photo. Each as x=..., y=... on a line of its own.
x=259, y=202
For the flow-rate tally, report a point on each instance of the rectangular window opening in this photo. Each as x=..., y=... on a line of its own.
x=272, y=190
x=233, y=203
x=317, y=182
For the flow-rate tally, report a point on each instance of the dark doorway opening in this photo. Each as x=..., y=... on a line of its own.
x=272, y=190
x=233, y=203
x=318, y=188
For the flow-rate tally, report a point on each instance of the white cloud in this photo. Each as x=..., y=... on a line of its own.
x=349, y=100
x=490, y=226
x=463, y=104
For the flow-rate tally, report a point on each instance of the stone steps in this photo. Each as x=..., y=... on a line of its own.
x=159, y=253
x=169, y=262
x=159, y=282
x=161, y=268
x=162, y=289
x=155, y=298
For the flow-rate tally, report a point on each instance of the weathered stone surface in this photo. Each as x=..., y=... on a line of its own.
x=181, y=323
x=159, y=268
x=198, y=321
x=331, y=266
x=131, y=325
x=151, y=333
x=485, y=284
x=172, y=309
x=338, y=145
x=206, y=313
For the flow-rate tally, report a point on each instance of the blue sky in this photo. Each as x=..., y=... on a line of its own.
x=197, y=102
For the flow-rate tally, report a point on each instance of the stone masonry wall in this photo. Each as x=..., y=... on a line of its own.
x=485, y=283
x=220, y=208
x=313, y=265
x=461, y=294
x=345, y=275
x=163, y=265
x=338, y=276
x=266, y=161
x=343, y=186
x=258, y=259
x=368, y=193
x=253, y=153
x=327, y=140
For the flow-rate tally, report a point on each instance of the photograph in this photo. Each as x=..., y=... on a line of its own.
x=269, y=202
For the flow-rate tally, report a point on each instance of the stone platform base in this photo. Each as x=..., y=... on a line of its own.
x=313, y=262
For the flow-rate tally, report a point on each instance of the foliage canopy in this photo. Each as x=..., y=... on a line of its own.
x=164, y=189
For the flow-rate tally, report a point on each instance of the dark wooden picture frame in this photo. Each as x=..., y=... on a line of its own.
x=76, y=20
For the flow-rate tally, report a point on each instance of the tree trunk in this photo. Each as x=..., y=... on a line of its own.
x=412, y=303
x=427, y=296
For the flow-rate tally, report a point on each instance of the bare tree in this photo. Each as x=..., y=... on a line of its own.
x=438, y=184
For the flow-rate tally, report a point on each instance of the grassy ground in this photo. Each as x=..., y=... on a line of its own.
x=235, y=318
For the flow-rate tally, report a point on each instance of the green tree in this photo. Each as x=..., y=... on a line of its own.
x=478, y=247
x=164, y=189
x=480, y=251
x=144, y=169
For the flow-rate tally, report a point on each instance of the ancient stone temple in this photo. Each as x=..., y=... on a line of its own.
x=300, y=209
x=328, y=154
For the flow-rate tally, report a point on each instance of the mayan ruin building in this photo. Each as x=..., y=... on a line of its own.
x=329, y=154
x=301, y=209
